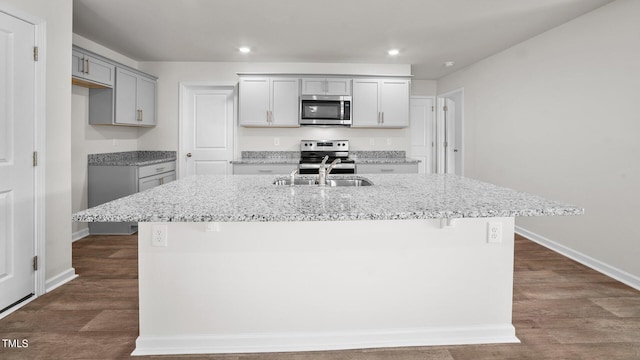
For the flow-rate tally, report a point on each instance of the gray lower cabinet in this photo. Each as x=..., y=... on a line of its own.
x=409, y=168
x=263, y=169
x=110, y=182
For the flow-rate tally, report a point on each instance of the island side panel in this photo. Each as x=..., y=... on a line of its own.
x=294, y=286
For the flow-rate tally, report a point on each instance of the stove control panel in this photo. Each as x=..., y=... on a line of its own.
x=324, y=145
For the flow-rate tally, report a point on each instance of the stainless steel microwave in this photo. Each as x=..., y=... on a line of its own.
x=325, y=110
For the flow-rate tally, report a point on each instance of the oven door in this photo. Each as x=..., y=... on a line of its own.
x=314, y=168
x=325, y=110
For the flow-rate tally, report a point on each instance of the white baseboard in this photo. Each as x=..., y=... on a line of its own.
x=583, y=259
x=60, y=279
x=80, y=234
x=285, y=342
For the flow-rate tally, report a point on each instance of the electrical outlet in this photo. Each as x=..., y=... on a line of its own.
x=213, y=227
x=494, y=232
x=159, y=236
x=388, y=141
x=371, y=141
x=276, y=141
x=115, y=142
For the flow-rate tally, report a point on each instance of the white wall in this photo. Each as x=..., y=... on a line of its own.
x=559, y=115
x=92, y=139
x=424, y=87
x=165, y=135
x=58, y=18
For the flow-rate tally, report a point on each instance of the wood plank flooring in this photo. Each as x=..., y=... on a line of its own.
x=561, y=310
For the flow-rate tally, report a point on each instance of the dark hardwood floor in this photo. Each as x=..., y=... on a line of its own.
x=561, y=310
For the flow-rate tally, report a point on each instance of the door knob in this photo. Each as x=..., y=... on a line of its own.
x=455, y=150
x=188, y=154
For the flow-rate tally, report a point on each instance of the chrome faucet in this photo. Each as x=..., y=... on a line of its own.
x=325, y=170
x=293, y=176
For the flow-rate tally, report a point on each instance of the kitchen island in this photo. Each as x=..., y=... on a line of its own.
x=238, y=264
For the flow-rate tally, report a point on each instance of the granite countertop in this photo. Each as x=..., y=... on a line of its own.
x=293, y=157
x=256, y=198
x=381, y=157
x=131, y=158
x=386, y=161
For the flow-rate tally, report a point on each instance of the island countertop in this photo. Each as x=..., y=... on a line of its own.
x=237, y=198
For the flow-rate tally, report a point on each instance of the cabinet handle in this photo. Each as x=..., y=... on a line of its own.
x=386, y=170
x=161, y=181
x=139, y=115
x=82, y=66
x=265, y=170
x=87, y=60
x=267, y=116
x=378, y=117
x=142, y=115
x=383, y=117
x=159, y=169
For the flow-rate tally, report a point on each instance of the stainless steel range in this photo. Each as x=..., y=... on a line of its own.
x=313, y=152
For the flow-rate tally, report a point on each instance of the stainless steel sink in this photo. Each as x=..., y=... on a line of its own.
x=331, y=181
x=298, y=181
x=349, y=182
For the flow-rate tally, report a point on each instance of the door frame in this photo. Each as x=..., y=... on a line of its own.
x=184, y=87
x=39, y=137
x=459, y=128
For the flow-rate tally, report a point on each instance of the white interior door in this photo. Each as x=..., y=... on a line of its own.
x=422, y=132
x=450, y=133
x=17, y=115
x=207, y=130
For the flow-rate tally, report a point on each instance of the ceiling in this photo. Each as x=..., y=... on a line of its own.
x=427, y=32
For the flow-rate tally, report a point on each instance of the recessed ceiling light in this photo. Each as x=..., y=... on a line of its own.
x=245, y=49
x=393, y=52
x=449, y=63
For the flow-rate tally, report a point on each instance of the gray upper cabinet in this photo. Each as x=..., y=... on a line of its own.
x=381, y=103
x=134, y=99
x=86, y=68
x=326, y=86
x=268, y=101
x=118, y=94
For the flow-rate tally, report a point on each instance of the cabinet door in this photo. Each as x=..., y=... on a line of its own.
x=91, y=69
x=394, y=103
x=126, y=98
x=365, y=109
x=155, y=180
x=149, y=182
x=168, y=177
x=147, y=100
x=387, y=168
x=338, y=86
x=284, y=102
x=254, y=101
x=99, y=71
x=313, y=86
x=77, y=64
